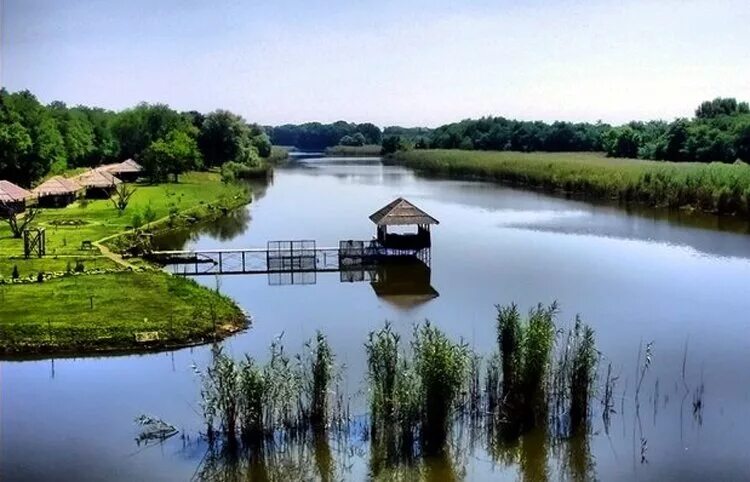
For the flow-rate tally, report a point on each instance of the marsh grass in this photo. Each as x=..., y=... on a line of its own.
x=715, y=187
x=525, y=351
x=575, y=379
x=422, y=392
x=416, y=393
x=283, y=398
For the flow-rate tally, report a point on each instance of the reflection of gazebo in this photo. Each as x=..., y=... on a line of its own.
x=403, y=213
x=402, y=283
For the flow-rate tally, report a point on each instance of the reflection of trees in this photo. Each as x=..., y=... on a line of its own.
x=227, y=227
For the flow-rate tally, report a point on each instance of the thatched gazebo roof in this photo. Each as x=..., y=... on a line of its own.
x=97, y=178
x=127, y=166
x=401, y=212
x=10, y=193
x=57, y=186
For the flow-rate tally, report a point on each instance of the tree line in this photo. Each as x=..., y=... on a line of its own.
x=318, y=136
x=37, y=140
x=720, y=131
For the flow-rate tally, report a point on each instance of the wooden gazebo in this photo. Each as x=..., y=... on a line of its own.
x=57, y=191
x=12, y=198
x=401, y=212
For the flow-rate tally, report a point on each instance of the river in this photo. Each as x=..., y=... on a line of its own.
x=637, y=276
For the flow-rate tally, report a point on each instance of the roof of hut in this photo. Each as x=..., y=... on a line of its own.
x=128, y=166
x=97, y=178
x=10, y=193
x=57, y=186
x=401, y=212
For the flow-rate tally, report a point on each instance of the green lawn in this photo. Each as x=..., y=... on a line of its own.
x=57, y=315
x=714, y=187
x=99, y=219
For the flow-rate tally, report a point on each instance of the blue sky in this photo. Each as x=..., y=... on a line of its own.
x=389, y=62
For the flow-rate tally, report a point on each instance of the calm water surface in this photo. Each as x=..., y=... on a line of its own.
x=636, y=277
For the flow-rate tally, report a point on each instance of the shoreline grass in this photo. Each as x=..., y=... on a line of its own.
x=713, y=188
x=40, y=315
x=105, y=312
x=367, y=150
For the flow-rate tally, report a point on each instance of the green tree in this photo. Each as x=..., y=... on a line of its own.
x=742, y=139
x=176, y=153
x=15, y=143
x=226, y=137
x=357, y=139
x=721, y=106
x=137, y=128
x=622, y=142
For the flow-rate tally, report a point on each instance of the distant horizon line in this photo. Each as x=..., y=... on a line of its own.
x=382, y=126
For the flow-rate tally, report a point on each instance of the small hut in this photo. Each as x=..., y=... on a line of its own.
x=12, y=198
x=401, y=213
x=57, y=191
x=98, y=183
x=128, y=171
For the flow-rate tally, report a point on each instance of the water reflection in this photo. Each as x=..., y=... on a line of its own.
x=309, y=457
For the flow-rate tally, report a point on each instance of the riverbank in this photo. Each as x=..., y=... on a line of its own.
x=714, y=188
x=84, y=296
x=367, y=150
x=124, y=311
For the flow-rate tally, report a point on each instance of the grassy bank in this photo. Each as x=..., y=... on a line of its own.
x=715, y=188
x=366, y=150
x=198, y=195
x=55, y=315
x=90, y=313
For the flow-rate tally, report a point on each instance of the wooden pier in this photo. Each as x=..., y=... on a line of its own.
x=289, y=262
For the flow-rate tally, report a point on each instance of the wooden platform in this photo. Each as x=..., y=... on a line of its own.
x=284, y=257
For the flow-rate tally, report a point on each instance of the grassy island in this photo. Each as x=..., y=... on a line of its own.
x=715, y=187
x=81, y=299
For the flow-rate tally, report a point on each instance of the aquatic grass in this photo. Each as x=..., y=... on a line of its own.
x=282, y=398
x=319, y=371
x=525, y=350
x=419, y=393
x=442, y=366
x=575, y=378
x=714, y=187
x=583, y=375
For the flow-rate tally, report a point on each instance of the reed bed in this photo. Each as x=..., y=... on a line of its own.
x=715, y=187
x=286, y=396
x=419, y=390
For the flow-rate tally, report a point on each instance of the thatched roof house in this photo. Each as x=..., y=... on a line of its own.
x=57, y=191
x=98, y=182
x=12, y=198
x=128, y=170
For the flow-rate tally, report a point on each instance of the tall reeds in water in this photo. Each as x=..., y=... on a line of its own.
x=525, y=350
x=522, y=386
x=414, y=393
x=286, y=396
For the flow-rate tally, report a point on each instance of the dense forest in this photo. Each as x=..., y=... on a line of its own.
x=37, y=140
